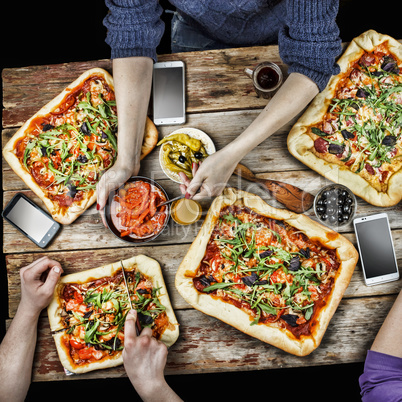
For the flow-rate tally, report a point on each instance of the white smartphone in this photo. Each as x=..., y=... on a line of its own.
x=31, y=220
x=377, y=254
x=169, y=106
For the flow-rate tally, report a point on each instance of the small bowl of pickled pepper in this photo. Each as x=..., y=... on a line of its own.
x=180, y=149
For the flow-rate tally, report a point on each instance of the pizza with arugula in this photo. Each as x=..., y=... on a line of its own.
x=352, y=131
x=61, y=152
x=271, y=273
x=89, y=308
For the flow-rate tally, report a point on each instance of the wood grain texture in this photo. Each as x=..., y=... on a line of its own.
x=207, y=345
x=215, y=81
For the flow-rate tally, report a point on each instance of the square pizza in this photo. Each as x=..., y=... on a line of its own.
x=271, y=273
x=351, y=132
x=89, y=309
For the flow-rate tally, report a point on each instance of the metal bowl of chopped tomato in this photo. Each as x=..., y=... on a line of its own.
x=132, y=212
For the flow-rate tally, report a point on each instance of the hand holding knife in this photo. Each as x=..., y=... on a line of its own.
x=138, y=325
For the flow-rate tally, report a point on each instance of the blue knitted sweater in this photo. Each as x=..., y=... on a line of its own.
x=305, y=30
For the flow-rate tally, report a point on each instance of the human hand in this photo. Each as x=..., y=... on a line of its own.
x=209, y=177
x=112, y=179
x=144, y=360
x=38, y=281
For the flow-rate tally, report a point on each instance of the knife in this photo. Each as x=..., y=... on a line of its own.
x=137, y=323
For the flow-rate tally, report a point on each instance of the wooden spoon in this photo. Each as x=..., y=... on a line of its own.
x=292, y=197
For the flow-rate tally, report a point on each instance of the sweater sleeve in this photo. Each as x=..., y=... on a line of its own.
x=310, y=42
x=382, y=378
x=134, y=27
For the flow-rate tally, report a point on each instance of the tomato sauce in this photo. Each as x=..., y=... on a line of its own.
x=213, y=268
x=134, y=210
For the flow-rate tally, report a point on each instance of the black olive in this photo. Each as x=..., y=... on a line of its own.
x=143, y=291
x=320, y=208
x=330, y=211
x=346, y=208
x=266, y=253
x=84, y=129
x=82, y=158
x=249, y=280
x=390, y=65
x=145, y=319
x=389, y=141
x=47, y=127
x=294, y=264
x=43, y=151
x=182, y=159
x=361, y=93
x=72, y=190
x=347, y=135
x=320, y=202
x=349, y=201
x=346, y=217
x=332, y=219
x=206, y=281
x=336, y=149
x=340, y=218
x=324, y=217
x=290, y=319
x=341, y=201
x=199, y=155
x=305, y=252
x=325, y=194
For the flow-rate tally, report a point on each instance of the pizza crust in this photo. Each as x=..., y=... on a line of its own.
x=301, y=145
x=236, y=317
x=67, y=216
x=143, y=264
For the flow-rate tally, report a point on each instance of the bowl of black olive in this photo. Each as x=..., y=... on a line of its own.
x=335, y=205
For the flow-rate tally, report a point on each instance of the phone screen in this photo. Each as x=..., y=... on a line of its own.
x=168, y=93
x=376, y=248
x=29, y=219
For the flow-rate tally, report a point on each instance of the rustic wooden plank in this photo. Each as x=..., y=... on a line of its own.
x=207, y=345
x=88, y=232
x=169, y=258
x=214, y=81
x=27, y=89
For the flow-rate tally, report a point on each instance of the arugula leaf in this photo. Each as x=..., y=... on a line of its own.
x=219, y=285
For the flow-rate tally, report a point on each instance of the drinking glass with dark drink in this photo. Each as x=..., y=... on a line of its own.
x=267, y=78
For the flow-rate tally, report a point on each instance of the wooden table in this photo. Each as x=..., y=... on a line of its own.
x=221, y=101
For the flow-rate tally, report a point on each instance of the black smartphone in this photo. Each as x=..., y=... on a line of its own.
x=377, y=253
x=30, y=220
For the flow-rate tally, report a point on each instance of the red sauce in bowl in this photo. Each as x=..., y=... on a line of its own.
x=134, y=211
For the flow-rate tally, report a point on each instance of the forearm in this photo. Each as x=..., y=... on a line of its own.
x=157, y=392
x=294, y=95
x=390, y=331
x=132, y=80
x=16, y=357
